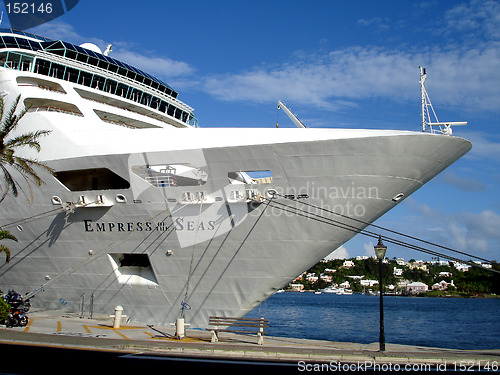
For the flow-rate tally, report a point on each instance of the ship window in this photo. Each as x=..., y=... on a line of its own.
x=26, y=62
x=146, y=99
x=23, y=43
x=35, y=46
x=85, y=78
x=122, y=71
x=13, y=60
x=71, y=54
x=57, y=71
x=98, y=82
x=10, y=42
x=131, y=74
x=250, y=177
x=91, y=179
x=42, y=67
x=82, y=57
x=59, y=52
x=71, y=75
x=139, y=78
x=110, y=86
x=122, y=90
x=93, y=61
x=178, y=113
x=171, y=175
x=103, y=64
x=163, y=106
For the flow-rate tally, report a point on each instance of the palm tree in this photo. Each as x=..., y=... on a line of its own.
x=5, y=234
x=8, y=146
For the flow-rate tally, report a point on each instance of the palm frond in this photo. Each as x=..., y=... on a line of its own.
x=27, y=139
x=10, y=121
x=1, y=108
x=5, y=249
x=8, y=146
x=5, y=234
x=10, y=183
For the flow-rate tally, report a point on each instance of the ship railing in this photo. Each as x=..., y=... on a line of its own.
x=161, y=181
x=41, y=87
x=126, y=109
x=116, y=76
x=54, y=109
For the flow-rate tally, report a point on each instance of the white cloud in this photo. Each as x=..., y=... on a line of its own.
x=159, y=66
x=472, y=233
x=382, y=23
x=478, y=16
x=340, y=253
x=369, y=249
x=484, y=146
x=463, y=69
x=469, y=79
x=464, y=75
x=329, y=81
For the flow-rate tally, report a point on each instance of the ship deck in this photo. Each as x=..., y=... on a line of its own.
x=56, y=330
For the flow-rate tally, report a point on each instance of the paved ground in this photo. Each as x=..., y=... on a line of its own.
x=55, y=329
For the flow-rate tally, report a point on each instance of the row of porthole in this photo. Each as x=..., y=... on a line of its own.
x=82, y=199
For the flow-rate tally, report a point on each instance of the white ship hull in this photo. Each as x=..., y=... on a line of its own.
x=204, y=245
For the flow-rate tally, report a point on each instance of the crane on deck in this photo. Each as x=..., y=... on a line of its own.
x=290, y=114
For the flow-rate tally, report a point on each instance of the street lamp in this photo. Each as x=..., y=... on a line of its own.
x=380, y=249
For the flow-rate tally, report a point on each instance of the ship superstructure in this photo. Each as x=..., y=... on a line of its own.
x=151, y=212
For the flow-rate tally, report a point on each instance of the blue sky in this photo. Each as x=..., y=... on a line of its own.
x=351, y=64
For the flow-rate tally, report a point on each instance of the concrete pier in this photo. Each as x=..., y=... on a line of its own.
x=54, y=329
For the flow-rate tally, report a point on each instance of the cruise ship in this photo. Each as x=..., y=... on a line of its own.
x=167, y=219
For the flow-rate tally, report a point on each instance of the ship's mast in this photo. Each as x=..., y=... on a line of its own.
x=423, y=76
x=444, y=127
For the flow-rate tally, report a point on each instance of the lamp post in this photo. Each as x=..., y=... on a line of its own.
x=380, y=249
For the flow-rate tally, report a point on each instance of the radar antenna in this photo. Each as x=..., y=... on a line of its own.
x=428, y=109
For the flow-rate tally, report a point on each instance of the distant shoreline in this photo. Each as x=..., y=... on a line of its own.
x=428, y=294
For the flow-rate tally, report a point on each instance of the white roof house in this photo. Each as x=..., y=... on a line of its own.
x=417, y=287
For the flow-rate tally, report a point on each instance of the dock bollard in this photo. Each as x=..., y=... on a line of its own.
x=179, y=329
x=118, y=316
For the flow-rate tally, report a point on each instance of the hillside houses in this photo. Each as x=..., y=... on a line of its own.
x=400, y=277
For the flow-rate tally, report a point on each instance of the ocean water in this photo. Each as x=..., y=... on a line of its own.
x=457, y=323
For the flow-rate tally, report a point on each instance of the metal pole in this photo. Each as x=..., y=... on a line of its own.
x=92, y=305
x=382, y=336
x=82, y=303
